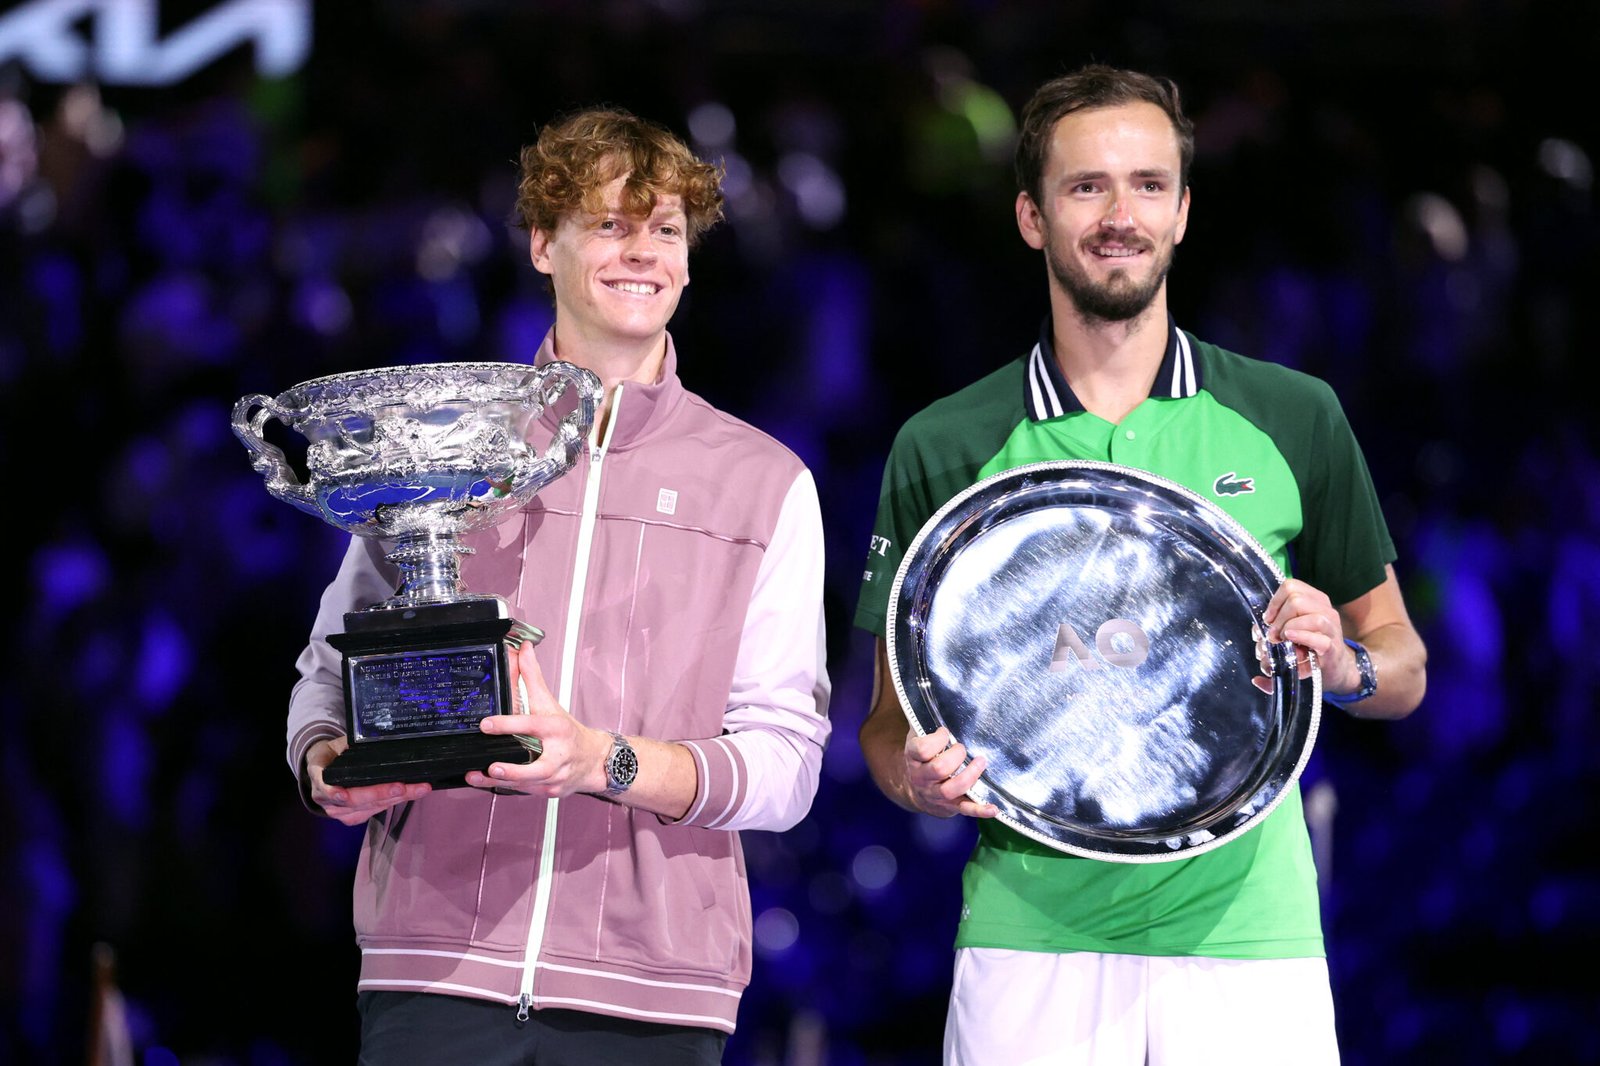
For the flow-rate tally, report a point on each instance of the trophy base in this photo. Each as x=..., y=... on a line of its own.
x=417, y=681
x=442, y=762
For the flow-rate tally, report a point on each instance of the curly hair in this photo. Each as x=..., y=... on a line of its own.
x=568, y=167
x=1092, y=87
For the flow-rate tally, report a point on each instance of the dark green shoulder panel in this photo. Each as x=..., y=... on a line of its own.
x=1344, y=543
x=936, y=454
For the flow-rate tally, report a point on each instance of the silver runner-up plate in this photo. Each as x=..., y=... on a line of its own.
x=1094, y=632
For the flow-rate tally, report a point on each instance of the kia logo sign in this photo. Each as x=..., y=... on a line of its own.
x=119, y=42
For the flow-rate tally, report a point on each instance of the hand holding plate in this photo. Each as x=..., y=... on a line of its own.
x=939, y=775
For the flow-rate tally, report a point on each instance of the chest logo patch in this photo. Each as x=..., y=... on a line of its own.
x=1231, y=484
x=667, y=501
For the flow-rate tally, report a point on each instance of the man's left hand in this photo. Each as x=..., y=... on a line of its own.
x=573, y=756
x=1303, y=615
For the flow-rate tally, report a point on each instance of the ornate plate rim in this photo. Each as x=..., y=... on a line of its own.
x=1308, y=703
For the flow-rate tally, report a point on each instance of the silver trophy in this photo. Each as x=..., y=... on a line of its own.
x=418, y=455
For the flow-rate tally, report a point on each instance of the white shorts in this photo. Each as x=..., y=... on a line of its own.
x=1011, y=1008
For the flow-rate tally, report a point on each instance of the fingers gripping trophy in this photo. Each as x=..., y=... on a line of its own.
x=418, y=455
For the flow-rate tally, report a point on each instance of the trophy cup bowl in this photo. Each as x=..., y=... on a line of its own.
x=417, y=456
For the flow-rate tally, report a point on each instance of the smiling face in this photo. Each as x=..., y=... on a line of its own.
x=1113, y=209
x=617, y=277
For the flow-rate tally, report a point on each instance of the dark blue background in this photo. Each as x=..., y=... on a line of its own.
x=1398, y=197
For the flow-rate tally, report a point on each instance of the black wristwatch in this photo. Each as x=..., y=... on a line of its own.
x=1369, y=679
x=622, y=766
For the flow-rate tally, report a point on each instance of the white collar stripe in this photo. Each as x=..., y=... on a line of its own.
x=1191, y=383
x=1047, y=395
x=1181, y=383
x=1046, y=404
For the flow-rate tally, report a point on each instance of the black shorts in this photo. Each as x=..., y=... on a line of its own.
x=426, y=1029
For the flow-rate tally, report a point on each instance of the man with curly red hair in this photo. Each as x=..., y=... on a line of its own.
x=591, y=906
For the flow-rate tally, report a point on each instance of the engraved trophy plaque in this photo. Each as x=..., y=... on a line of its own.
x=417, y=456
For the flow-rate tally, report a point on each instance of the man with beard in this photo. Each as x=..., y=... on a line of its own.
x=1218, y=956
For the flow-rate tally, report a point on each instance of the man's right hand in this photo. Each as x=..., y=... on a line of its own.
x=353, y=806
x=929, y=773
x=939, y=776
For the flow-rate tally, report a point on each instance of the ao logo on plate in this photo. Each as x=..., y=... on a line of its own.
x=1119, y=641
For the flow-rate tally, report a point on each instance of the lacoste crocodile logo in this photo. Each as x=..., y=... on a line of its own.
x=1231, y=484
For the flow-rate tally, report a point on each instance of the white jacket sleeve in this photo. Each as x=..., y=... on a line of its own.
x=763, y=772
x=316, y=704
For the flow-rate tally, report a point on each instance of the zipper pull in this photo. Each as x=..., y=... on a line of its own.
x=524, y=1001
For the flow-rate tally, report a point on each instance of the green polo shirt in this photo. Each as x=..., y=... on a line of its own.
x=1272, y=448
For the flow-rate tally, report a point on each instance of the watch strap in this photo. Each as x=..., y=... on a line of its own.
x=1369, y=678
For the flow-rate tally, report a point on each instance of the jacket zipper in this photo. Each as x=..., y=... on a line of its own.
x=569, y=656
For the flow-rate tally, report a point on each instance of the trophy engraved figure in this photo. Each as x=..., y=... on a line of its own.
x=419, y=455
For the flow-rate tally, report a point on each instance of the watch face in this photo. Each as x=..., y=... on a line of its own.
x=623, y=766
x=1369, y=679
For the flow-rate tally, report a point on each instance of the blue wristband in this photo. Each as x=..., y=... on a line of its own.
x=1369, y=679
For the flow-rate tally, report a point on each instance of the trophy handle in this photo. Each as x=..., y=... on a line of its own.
x=555, y=378
x=250, y=416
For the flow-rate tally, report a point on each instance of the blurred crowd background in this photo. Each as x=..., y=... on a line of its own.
x=1397, y=196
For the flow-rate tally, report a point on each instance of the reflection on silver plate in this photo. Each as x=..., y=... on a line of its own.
x=1094, y=631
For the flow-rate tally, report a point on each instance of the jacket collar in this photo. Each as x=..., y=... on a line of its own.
x=1047, y=394
x=640, y=409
